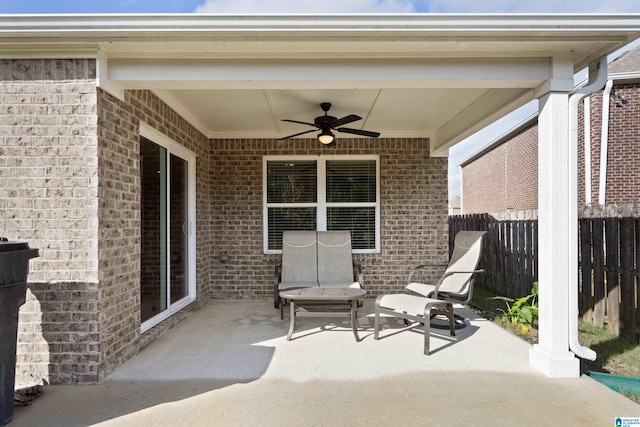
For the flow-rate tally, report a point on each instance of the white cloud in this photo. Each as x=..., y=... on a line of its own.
x=306, y=6
x=538, y=6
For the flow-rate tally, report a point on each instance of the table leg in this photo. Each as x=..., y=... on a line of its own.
x=354, y=318
x=292, y=319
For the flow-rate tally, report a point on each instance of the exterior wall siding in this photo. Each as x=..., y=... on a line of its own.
x=413, y=211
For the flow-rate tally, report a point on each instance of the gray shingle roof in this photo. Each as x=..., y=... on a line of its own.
x=627, y=63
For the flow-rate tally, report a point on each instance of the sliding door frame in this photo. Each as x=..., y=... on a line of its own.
x=187, y=155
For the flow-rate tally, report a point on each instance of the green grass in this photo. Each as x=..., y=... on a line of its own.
x=616, y=355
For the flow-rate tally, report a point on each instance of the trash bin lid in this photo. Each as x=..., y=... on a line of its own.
x=13, y=246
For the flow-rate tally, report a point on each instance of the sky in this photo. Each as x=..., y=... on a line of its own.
x=458, y=153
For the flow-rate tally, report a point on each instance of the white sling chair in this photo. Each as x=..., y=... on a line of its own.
x=455, y=286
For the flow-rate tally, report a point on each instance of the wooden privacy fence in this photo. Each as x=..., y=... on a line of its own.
x=610, y=273
x=510, y=252
x=609, y=264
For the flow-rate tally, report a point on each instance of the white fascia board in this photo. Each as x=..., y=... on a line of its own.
x=632, y=75
x=537, y=25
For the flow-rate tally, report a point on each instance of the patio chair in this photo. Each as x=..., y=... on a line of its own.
x=455, y=286
x=299, y=268
x=336, y=268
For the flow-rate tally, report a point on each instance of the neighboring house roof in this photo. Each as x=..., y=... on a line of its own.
x=627, y=63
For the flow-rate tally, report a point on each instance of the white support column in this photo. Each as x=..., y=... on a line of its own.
x=551, y=355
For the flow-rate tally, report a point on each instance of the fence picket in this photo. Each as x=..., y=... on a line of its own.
x=613, y=290
x=636, y=273
x=599, y=291
x=627, y=291
x=586, y=267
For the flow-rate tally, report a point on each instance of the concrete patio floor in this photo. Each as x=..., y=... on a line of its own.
x=229, y=364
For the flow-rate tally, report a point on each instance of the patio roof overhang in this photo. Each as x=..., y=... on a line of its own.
x=443, y=77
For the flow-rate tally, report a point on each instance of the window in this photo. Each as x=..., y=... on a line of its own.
x=322, y=193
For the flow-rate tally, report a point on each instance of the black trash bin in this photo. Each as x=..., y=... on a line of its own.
x=14, y=268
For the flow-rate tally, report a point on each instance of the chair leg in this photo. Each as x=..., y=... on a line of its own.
x=452, y=319
x=427, y=328
x=376, y=324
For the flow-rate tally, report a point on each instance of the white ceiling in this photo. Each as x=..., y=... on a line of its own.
x=259, y=113
x=437, y=76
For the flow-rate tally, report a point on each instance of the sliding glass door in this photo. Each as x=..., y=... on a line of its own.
x=167, y=281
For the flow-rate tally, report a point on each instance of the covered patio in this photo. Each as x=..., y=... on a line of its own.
x=92, y=99
x=229, y=364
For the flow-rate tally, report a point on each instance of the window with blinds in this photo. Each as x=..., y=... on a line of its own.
x=322, y=193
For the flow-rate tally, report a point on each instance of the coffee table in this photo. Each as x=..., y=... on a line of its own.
x=319, y=295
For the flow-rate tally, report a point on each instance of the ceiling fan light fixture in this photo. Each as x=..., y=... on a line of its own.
x=326, y=137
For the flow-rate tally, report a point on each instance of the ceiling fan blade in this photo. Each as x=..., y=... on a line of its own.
x=346, y=119
x=359, y=132
x=302, y=123
x=298, y=134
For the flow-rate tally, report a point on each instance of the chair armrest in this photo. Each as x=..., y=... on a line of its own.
x=357, y=274
x=422, y=267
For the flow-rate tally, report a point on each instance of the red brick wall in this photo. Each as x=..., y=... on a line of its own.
x=503, y=178
x=623, y=175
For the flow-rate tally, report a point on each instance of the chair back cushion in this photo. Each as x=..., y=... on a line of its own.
x=299, y=257
x=466, y=256
x=335, y=263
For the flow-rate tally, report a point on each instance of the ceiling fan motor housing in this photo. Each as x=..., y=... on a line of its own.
x=324, y=122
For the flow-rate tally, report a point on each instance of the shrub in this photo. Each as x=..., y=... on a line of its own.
x=521, y=311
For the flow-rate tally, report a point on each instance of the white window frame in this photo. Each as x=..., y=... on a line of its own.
x=321, y=203
x=189, y=156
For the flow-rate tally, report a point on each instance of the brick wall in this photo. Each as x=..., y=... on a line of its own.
x=119, y=142
x=521, y=171
x=49, y=198
x=505, y=177
x=623, y=182
x=483, y=183
x=413, y=190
